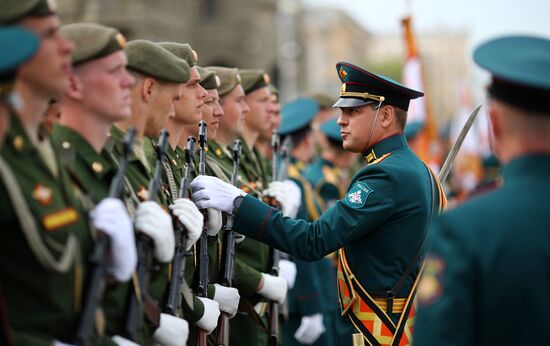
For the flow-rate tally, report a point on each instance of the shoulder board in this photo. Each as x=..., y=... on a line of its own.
x=380, y=159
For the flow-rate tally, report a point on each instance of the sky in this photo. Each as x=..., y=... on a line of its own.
x=482, y=19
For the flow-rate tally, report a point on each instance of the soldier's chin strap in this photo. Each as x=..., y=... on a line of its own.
x=367, y=146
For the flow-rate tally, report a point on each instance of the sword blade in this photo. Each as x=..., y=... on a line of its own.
x=449, y=160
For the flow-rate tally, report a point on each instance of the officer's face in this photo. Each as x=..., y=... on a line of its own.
x=161, y=106
x=235, y=110
x=355, y=127
x=46, y=74
x=259, y=102
x=105, y=87
x=212, y=112
x=188, y=108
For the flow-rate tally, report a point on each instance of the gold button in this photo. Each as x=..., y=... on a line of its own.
x=18, y=143
x=174, y=162
x=218, y=152
x=65, y=145
x=97, y=167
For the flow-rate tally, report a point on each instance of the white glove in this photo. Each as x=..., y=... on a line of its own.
x=187, y=213
x=172, y=331
x=209, y=320
x=288, y=194
x=239, y=238
x=110, y=217
x=153, y=221
x=59, y=343
x=211, y=192
x=274, y=288
x=228, y=298
x=287, y=270
x=310, y=329
x=214, y=221
x=120, y=341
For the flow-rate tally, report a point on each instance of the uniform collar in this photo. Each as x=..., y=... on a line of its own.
x=387, y=145
x=94, y=161
x=529, y=165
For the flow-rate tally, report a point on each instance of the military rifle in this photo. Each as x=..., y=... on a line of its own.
x=279, y=174
x=96, y=287
x=202, y=281
x=140, y=302
x=228, y=252
x=173, y=301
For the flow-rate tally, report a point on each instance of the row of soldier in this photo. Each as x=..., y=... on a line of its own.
x=144, y=216
x=85, y=169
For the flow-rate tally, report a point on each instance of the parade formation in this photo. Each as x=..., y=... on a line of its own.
x=150, y=200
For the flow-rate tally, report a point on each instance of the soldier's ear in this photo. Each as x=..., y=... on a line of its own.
x=387, y=116
x=75, y=88
x=147, y=88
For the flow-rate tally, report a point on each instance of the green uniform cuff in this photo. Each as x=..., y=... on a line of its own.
x=248, y=220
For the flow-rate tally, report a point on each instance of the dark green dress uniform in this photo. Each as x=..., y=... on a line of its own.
x=385, y=210
x=93, y=173
x=486, y=280
x=45, y=244
x=379, y=225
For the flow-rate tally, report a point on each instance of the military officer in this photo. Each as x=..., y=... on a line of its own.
x=486, y=272
x=50, y=239
x=263, y=144
x=17, y=45
x=380, y=225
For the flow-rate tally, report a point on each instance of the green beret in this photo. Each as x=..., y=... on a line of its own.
x=92, y=41
x=182, y=51
x=209, y=80
x=253, y=80
x=150, y=59
x=229, y=78
x=14, y=11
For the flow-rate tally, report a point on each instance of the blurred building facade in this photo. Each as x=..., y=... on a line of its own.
x=298, y=47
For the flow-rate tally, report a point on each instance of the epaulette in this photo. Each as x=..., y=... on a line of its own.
x=380, y=159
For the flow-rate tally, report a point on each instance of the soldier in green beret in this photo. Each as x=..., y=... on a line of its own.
x=263, y=144
x=485, y=280
x=211, y=112
x=379, y=226
x=98, y=96
x=160, y=76
x=49, y=238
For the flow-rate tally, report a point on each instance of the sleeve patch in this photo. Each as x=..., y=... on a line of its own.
x=357, y=195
